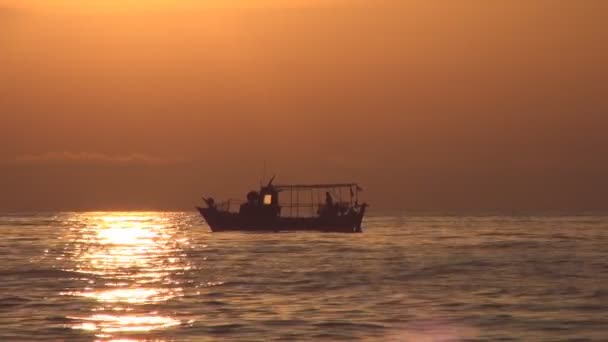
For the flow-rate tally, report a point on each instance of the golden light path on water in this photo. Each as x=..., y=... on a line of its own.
x=130, y=259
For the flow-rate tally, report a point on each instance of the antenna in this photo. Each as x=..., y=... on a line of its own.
x=271, y=179
x=263, y=174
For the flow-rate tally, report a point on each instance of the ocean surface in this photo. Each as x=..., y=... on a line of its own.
x=164, y=277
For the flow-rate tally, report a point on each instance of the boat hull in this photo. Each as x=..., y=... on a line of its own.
x=220, y=221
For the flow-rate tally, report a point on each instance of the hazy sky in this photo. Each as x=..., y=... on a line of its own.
x=430, y=105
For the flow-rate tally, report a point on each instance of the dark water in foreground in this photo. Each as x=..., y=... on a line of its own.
x=164, y=277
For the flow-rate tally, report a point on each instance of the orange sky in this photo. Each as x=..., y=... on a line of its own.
x=431, y=105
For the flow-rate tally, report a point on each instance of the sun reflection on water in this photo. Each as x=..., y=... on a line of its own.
x=128, y=260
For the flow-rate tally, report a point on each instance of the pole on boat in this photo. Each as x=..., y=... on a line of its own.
x=291, y=202
x=312, y=202
x=297, y=203
x=318, y=198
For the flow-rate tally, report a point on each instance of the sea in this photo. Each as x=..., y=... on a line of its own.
x=163, y=276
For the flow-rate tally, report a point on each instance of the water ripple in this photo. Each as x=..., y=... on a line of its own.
x=163, y=277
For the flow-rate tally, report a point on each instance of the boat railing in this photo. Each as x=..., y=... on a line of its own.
x=231, y=205
x=287, y=208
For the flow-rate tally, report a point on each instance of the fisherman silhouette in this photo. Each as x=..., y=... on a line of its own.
x=329, y=209
x=249, y=207
x=210, y=202
x=329, y=201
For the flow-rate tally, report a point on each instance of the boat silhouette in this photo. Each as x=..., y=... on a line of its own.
x=303, y=210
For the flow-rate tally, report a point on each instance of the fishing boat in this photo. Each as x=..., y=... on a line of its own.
x=291, y=207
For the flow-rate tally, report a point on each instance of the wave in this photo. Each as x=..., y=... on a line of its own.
x=346, y=325
x=40, y=273
x=12, y=301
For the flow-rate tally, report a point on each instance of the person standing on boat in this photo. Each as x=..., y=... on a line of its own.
x=329, y=201
x=329, y=209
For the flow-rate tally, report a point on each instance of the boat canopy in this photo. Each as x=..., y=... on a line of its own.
x=296, y=197
x=282, y=187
